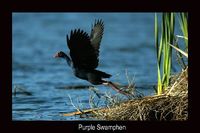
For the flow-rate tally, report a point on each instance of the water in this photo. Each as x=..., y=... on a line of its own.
x=127, y=44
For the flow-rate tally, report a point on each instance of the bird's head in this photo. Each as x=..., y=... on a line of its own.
x=59, y=55
x=64, y=56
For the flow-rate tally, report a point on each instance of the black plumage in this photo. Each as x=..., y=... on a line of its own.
x=84, y=55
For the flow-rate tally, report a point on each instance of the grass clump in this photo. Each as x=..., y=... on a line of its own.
x=172, y=105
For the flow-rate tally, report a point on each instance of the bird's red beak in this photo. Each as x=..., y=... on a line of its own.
x=56, y=55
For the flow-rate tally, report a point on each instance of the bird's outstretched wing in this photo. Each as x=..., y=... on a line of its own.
x=81, y=51
x=96, y=35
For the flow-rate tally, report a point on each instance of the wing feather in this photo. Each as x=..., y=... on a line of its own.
x=97, y=34
x=81, y=51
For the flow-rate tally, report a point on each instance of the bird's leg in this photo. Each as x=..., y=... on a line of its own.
x=114, y=87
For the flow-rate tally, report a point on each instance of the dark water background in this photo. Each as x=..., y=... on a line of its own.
x=127, y=45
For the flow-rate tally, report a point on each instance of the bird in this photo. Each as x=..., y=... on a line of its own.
x=83, y=57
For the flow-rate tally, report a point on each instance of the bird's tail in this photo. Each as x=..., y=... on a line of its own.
x=102, y=74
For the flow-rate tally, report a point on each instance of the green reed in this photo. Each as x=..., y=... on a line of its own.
x=163, y=49
x=165, y=40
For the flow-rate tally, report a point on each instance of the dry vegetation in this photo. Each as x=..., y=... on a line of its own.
x=172, y=105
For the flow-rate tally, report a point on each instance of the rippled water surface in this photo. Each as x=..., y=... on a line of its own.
x=42, y=85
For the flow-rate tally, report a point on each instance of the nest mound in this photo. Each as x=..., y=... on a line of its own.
x=172, y=105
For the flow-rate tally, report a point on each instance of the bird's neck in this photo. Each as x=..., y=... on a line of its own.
x=69, y=62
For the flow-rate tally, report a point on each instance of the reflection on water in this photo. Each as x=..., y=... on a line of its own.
x=127, y=44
